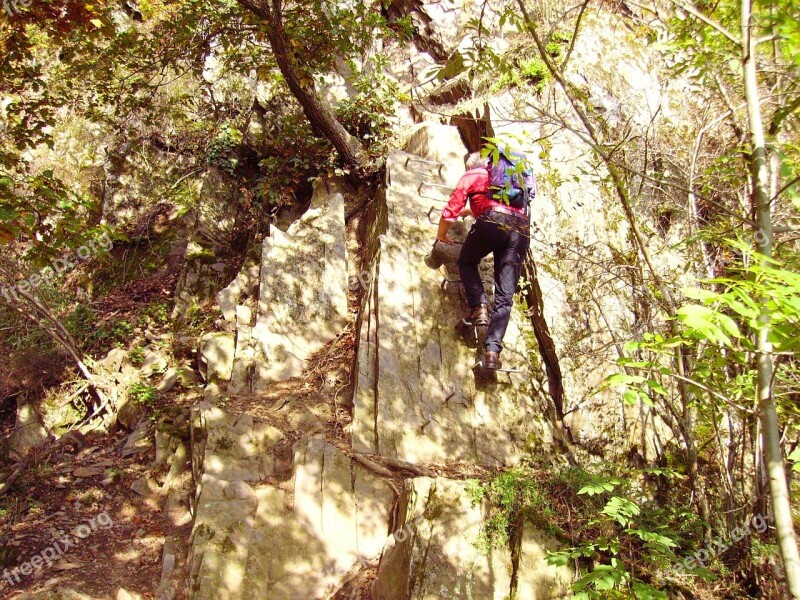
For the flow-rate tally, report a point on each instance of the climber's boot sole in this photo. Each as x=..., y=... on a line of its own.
x=473, y=335
x=479, y=365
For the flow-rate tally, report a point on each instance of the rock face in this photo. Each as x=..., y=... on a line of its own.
x=217, y=350
x=28, y=430
x=212, y=226
x=417, y=398
x=252, y=540
x=433, y=554
x=259, y=532
x=582, y=243
x=303, y=297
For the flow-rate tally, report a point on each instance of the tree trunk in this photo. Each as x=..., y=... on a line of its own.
x=317, y=112
x=547, y=348
x=768, y=413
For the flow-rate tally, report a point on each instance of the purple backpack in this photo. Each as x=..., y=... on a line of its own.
x=511, y=180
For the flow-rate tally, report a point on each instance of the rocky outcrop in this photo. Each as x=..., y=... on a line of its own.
x=260, y=532
x=255, y=537
x=581, y=243
x=212, y=223
x=28, y=430
x=289, y=301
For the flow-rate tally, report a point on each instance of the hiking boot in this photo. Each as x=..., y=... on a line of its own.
x=479, y=316
x=491, y=360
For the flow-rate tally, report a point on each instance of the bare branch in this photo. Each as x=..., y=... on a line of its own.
x=574, y=35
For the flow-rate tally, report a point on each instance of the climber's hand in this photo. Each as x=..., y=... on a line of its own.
x=444, y=239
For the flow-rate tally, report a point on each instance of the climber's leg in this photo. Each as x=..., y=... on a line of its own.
x=476, y=246
x=508, y=261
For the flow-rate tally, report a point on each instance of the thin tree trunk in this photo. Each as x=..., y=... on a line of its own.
x=768, y=413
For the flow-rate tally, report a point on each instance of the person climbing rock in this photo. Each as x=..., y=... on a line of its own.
x=499, y=229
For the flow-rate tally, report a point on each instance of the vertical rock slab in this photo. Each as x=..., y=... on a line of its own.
x=242, y=369
x=217, y=351
x=440, y=144
x=338, y=518
x=537, y=580
x=363, y=431
x=220, y=539
x=416, y=396
x=252, y=540
x=303, y=295
x=28, y=430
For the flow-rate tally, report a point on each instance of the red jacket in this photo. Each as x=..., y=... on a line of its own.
x=473, y=185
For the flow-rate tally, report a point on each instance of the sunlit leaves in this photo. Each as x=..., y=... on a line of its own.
x=621, y=510
x=600, y=485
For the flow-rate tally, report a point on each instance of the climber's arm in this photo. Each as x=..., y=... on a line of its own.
x=456, y=206
x=444, y=227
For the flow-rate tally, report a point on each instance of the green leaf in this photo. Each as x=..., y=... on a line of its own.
x=696, y=316
x=656, y=387
x=8, y=213
x=647, y=592
x=666, y=471
x=621, y=510
x=729, y=325
x=558, y=559
x=699, y=294
x=794, y=457
x=600, y=485
x=630, y=396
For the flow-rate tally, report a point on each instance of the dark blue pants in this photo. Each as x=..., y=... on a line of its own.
x=507, y=237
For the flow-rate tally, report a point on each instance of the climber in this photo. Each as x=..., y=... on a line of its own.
x=501, y=230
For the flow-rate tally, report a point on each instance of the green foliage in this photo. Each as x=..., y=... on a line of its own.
x=622, y=537
x=718, y=322
x=223, y=151
x=323, y=32
x=121, y=330
x=142, y=394
x=370, y=113
x=36, y=207
x=535, y=73
x=157, y=313
x=137, y=356
x=561, y=37
x=600, y=484
x=531, y=73
x=630, y=536
x=554, y=49
x=513, y=496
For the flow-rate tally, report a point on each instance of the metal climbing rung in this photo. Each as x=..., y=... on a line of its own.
x=428, y=162
x=446, y=283
x=431, y=184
